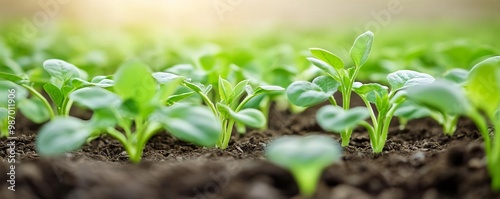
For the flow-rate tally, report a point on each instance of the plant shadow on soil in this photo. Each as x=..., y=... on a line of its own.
x=417, y=162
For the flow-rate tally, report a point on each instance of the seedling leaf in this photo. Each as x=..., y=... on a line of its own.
x=323, y=66
x=54, y=93
x=189, y=123
x=305, y=157
x=62, y=135
x=95, y=98
x=328, y=57
x=361, y=48
x=370, y=91
x=483, y=85
x=442, y=95
x=336, y=119
x=305, y=94
x=405, y=78
x=34, y=110
x=61, y=70
x=134, y=80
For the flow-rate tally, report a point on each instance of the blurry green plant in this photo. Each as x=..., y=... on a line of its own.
x=305, y=157
x=478, y=99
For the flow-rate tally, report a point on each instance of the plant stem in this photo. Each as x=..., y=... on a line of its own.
x=307, y=179
x=44, y=101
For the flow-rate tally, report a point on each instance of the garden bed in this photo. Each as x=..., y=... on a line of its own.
x=417, y=162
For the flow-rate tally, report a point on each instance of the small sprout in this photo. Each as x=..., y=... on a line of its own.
x=338, y=77
x=386, y=102
x=230, y=110
x=305, y=157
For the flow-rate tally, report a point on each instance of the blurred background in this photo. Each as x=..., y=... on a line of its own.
x=247, y=14
x=98, y=35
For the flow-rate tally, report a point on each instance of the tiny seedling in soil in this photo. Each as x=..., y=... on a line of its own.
x=303, y=93
x=305, y=157
x=137, y=107
x=230, y=110
x=335, y=119
x=409, y=110
x=478, y=99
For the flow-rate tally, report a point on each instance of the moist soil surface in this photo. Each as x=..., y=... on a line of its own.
x=417, y=162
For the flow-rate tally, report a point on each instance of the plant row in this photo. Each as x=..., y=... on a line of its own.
x=136, y=103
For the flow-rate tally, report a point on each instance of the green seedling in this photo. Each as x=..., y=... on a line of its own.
x=338, y=77
x=409, y=110
x=305, y=157
x=64, y=79
x=230, y=109
x=137, y=106
x=332, y=118
x=478, y=99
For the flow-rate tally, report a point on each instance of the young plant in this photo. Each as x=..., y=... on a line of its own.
x=64, y=79
x=409, y=110
x=230, y=109
x=305, y=157
x=385, y=103
x=137, y=106
x=303, y=93
x=479, y=100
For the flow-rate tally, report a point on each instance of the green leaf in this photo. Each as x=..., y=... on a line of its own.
x=134, y=80
x=169, y=83
x=13, y=78
x=194, y=124
x=34, y=110
x=483, y=85
x=442, y=95
x=328, y=57
x=292, y=151
x=103, y=118
x=54, y=94
x=62, y=135
x=166, y=78
x=305, y=94
x=410, y=110
x=250, y=117
x=268, y=89
x=95, y=98
x=239, y=89
x=361, y=48
x=5, y=88
x=370, y=91
x=179, y=97
x=102, y=81
x=225, y=90
x=456, y=75
x=323, y=66
x=405, y=78
x=197, y=87
x=61, y=70
x=336, y=119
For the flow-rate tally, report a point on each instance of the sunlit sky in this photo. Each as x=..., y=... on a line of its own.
x=245, y=13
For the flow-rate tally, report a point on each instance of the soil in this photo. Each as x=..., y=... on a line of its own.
x=417, y=162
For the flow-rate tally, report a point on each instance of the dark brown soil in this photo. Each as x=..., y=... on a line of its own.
x=417, y=162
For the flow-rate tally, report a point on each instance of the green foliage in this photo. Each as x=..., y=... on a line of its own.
x=336, y=119
x=306, y=157
x=137, y=107
x=231, y=109
x=478, y=100
x=303, y=93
